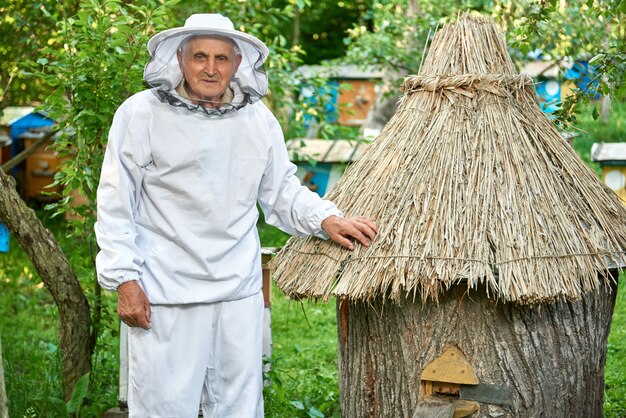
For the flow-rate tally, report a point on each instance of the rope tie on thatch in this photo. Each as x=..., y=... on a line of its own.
x=348, y=260
x=467, y=84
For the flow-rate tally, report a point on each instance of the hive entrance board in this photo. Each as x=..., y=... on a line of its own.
x=441, y=382
x=451, y=367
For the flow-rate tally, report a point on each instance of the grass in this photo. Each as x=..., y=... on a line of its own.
x=303, y=371
x=304, y=360
x=29, y=341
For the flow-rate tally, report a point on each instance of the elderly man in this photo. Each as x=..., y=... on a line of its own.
x=185, y=165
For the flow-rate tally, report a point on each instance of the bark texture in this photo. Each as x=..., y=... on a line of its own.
x=58, y=277
x=552, y=356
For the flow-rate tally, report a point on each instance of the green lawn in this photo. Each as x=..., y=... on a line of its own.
x=304, y=360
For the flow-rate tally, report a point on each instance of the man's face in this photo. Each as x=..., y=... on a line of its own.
x=208, y=65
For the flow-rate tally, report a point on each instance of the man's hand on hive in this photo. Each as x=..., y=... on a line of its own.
x=359, y=228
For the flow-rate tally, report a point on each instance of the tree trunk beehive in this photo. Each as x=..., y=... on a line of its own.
x=549, y=358
x=493, y=254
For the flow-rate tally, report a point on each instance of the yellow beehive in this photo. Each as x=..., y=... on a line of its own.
x=612, y=158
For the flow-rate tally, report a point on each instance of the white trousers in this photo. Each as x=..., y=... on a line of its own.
x=208, y=354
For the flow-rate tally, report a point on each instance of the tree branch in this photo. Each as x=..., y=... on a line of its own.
x=6, y=167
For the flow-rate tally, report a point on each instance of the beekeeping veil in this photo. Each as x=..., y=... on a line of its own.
x=162, y=72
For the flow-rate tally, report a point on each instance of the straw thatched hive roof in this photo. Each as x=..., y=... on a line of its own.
x=470, y=183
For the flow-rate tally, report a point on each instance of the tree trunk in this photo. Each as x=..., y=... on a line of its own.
x=549, y=358
x=605, y=109
x=295, y=36
x=4, y=404
x=58, y=277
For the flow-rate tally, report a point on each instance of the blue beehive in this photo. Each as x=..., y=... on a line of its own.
x=20, y=119
x=583, y=74
x=350, y=92
x=321, y=162
x=551, y=88
x=550, y=93
x=4, y=239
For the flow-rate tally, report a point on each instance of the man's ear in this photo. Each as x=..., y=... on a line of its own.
x=179, y=56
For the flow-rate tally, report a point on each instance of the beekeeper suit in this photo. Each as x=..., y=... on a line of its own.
x=185, y=165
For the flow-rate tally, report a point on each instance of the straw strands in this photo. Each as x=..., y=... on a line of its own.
x=469, y=183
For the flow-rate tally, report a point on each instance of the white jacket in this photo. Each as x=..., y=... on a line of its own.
x=177, y=200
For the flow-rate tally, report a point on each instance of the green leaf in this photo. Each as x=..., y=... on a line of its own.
x=298, y=405
x=78, y=394
x=42, y=61
x=595, y=113
x=596, y=58
x=45, y=12
x=60, y=404
x=315, y=413
x=605, y=89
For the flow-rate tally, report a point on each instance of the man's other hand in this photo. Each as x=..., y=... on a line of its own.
x=341, y=230
x=133, y=305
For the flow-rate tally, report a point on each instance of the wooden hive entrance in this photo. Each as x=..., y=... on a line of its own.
x=440, y=385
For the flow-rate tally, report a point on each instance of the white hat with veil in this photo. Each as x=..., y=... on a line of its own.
x=163, y=73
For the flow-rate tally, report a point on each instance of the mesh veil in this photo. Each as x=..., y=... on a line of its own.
x=249, y=83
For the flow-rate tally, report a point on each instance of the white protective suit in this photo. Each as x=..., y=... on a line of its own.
x=177, y=200
x=177, y=213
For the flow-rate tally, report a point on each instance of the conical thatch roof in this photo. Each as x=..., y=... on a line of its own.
x=468, y=182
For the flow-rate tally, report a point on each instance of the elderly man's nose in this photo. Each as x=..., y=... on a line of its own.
x=210, y=67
